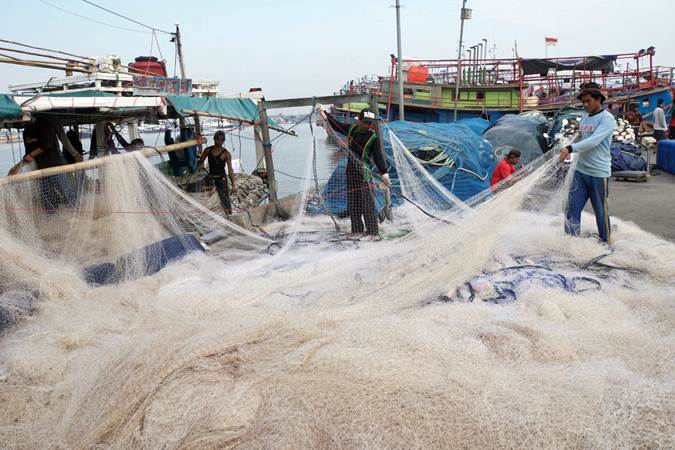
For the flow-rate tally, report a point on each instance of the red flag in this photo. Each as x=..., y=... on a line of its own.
x=550, y=40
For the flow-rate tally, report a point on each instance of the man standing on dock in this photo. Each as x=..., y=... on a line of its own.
x=660, y=125
x=593, y=167
x=363, y=146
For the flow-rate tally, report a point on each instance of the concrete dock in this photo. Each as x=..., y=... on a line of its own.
x=650, y=204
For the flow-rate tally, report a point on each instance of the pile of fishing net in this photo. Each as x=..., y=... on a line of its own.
x=331, y=342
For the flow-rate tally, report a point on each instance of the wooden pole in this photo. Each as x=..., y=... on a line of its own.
x=374, y=106
x=179, y=48
x=401, y=100
x=310, y=101
x=181, y=62
x=91, y=163
x=267, y=149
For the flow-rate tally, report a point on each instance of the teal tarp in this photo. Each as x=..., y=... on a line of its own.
x=9, y=109
x=240, y=109
x=85, y=93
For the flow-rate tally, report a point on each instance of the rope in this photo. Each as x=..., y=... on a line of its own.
x=90, y=19
x=158, y=47
x=126, y=18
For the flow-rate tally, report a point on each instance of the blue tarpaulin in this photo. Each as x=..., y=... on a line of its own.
x=470, y=157
x=626, y=157
x=9, y=109
x=466, y=171
x=239, y=109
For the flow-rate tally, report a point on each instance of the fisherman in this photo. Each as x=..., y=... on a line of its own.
x=660, y=126
x=593, y=167
x=634, y=118
x=364, y=146
x=219, y=157
x=42, y=146
x=505, y=168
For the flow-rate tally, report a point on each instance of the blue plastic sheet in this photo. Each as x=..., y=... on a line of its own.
x=471, y=156
x=525, y=134
x=154, y=257
x=626, y=157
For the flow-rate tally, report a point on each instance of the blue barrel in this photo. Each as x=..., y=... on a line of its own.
x=665, y=156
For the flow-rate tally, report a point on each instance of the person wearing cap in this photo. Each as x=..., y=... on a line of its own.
x=365, y=150
x=219, y=157
x=505, y=168
x=593, y=166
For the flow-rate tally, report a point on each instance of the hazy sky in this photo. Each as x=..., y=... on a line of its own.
x=305, y=48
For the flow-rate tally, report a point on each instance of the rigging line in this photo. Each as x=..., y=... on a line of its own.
x=158, y=47
x=127, y=18
x=90, y=19
x=46, y=49
x=42, y=55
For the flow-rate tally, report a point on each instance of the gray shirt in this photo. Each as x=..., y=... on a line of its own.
x=660, y=119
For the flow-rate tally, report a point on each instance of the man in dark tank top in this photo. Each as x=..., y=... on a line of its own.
x=219, y=158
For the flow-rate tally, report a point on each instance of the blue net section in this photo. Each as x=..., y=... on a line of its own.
x=520, y=133
x=455, y=154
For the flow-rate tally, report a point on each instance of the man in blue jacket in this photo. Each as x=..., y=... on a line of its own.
x=594, y=163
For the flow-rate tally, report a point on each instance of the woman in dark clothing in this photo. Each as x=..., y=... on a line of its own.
x=219, y=157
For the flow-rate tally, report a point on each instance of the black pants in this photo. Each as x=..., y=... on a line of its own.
x=361, y=208
x=360, y=201
x=223, y=193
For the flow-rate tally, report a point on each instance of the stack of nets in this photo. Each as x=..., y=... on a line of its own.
x=332, y=341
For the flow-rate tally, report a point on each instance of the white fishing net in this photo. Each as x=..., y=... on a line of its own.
x=332, y=341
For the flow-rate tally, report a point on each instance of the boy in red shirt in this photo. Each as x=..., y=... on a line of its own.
x=505, y=168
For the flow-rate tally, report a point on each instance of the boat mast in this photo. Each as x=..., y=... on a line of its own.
x=401, y=112
x=179, y=48
x=466, y=14
x=181, y=63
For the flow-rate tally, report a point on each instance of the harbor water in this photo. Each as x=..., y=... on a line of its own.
x=290, y=153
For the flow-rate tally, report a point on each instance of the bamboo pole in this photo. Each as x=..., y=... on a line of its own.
x=91, y=163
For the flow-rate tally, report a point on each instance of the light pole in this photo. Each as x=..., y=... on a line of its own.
x=474, y=48
x=465, y=15
x=468, y=66
x=401, y=112
x=484, y=71
x=478, y=61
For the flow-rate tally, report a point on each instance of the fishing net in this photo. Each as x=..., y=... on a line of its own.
x=329, y=341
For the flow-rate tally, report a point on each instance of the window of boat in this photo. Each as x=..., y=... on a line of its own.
x=407, y=91
x=480, y=95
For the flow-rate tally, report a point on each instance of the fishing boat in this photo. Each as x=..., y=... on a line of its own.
x=491, y=88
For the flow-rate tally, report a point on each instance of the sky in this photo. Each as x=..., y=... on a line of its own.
x=294, y=48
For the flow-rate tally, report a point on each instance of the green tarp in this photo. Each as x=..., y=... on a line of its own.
x=9, y=109
x=239, y=109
